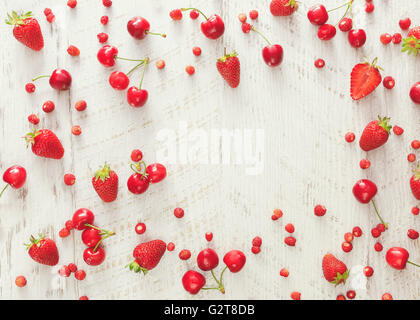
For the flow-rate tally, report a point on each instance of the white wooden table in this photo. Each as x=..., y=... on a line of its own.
x=303, y=113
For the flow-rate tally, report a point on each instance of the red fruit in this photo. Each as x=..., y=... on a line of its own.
x=136, y=155
x=357, y=232
x=229, y=68
x=44, y=143
x=398, y=130
x=60, y=79
x=209, y=236
x=214, y=27
x=50, y=18
x=253, y=14
x=234, y=260
x=81, y=218
x=387, y=296
x=397, y=257
x=156, y=172
x=256, y=250
x=348, y=237
x=381, y=227
x=368, y=271
x=64, y=271
x=283, y=7
x=320, y=210
x=396, y=38
x=357, y=37
x=190, y=70
x=73, y=51
x=346, y=246
x=72, y=267
x=197, y=51
x=207, y=259
x=33, y=118
x=295, y=295
x=140, y=228
x=278, y=213
x=365, y=77
x=290, y=228
x=369, y=7
x=15, y=176
x=388, y=82
x=119, y=80
x=20, y=281
x=83, y=298
x=72, y=3
x=30, y=87
x=170, y=246
x=48, y=106
x=385, y=38
x=106, y=55
x=43, y=251
x=378, y=247
x=80, y=274
x=351, y=294
x=411, y=44
x=104, y=20
x=349, y=137
x=194, y=14
x=105, y=183
x=147, y=255
x=318, y=15
x=290, y=241
x=91, y=236
x=80, y=105
x=176, y=14
x=179, y=213
x=139, y=28
x=415, y=183
x=319, y=63
x=364, y=190
x=405, y=23
x=47, y=11
x=335, y=271
x=137, y=97
x=341, y=297
x=184, y=254
x=193, y=281
x=411, y=157
x=92, y=257
x=26, y=30
x=415, y=144
x=102, y=37
x=107, y=3
x=257, y=242
x=345, y=24
x=273, y=55
x=375, y=232
x=246, y=27
x=412, y=234
x=364, y=164
x=69, y=225
x=160, y=64
x=284, y=272
x=375, y=134
x=415, y=92
x=76, y=130
x=137, y=183
x=63, y=233
x=326, y=32
x=415, y=211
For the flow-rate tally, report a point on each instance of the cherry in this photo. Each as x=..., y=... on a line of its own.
x=397, y=258
x=405, y=23
x=156, y=172
x=69, y=179
x=213, y=27
x=92, y=257
x=93, y=236
x=15, y=176
x=368, y=271
x=273, y=55
x=415, y=93
x=345, y=24
x=234, y=260
x=137, y=97
x=119, y=80
x=60, y=79
x=317, y=14
x=351, y=294
x=193, y=281
x=82, y=218
x=326, y=32
x=357, y=37
x=138, y=182
x=107, y=55
x=139, y=28
x=207, y=259
x=209, y=236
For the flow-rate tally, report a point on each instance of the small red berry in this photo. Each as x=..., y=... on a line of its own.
x=412, y=234
x=170, y=246
x=396, y=38
x=257, y=241
x=346, y=246
x=102, y=37
x=378, y=247
x=160, y=64
x=48, y=106
x=346, y=24
x=63, y=233
x=30, y=87
x=80, y=274
x=69, y=225
x=369, y=7
x=107, y=3
x=357, y=232
x=256, y=250
x=176, y=14
x=295, y=295
x=388, y=82
x=185, y=254
x=415, y=211
x=69, y=179
x=72, y=267
x=411, y=157
x=20, y=281
x=351, y=294
x=80, y=105
x=242, y=17
x=290, y=228
x=381, y=227
x=348, y=237
x=197, y=51
x=104, y=20
x=64, y=271
x=253, y=14
x=385, y=38
x=350, y=136
x=290, y=241
x=33, y=118
x=320, y=210
x=194, y=14
x=140, y=228
x=368, y=271
x=73, y=51
x=405, y=23
x=364, y=164
x=76, y=130
x=83, y=298
x=375, y=232
x=387, y=296
x=415, y=144
x=284, y=272
x=136, y=155
x=278, y=213
x=274, y=217
x=72, y=3
x=190, y=70
x=47, y=11
x=209, y=236
x=340, y=297
x=179, y=213
x=398, y=130
x=319, y=63
x=50, y=18
x=246, y=27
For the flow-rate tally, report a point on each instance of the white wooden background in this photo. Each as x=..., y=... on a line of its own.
x=304, y=112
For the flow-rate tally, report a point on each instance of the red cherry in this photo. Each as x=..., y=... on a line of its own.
x=82, y=217
x=213, y=27
x=106, y=55
x=119, y=80
x=415, y=93
x=345, y=24
x=91, y=236
x=137, y=97
x=318, y=15
x=209, y=236
x=234, y=260
x=139, y=28
x=397, y=257
x=364, y=190
x=137, y=183
x=368, y=271
x=193, y=281
x=60, y=79
x=326, y=32
x=15, y=176
x=357, y=37
x=207, y=259
x=94, y=258
x=273, y=55
x=156, y=172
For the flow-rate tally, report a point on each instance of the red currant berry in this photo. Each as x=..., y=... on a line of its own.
x=387, y=296
x=369, y=7
x=83, y=298
x=274, y=217
x=415, y=211
x=340, y=297
x=290, y=228
x=253, y=14
x=72, y=3
x=412, y=234
x=160, y=64
x=69, y=225
x=190, y=70
x=388, y=82
x=140, y=228
x=357, y=232
x=405, y=23
x=63, y=233
x=170, y=246
x=351, y=294
x=381, y=227
x=255, y=250
x=396, y=38
x=179, y=213
x=176, y=14
x=194, y=14
x=48, y=106
x=364, y=164
x=345, y=24
x=278, y=213
x=284, y=272
x=319, y=210
x=72, y=267
x=295, y=295
x=33, y=118
x=398, y=130
x=136, y=155
x=73, y=51
x=368, y=271
x=375, y=232
x=47, y=11
x=20, y=281
x=242, y=17
x=185, y=254
x=107, y=3
x=246, y=27
x=80, y=105
x=415, y=144
x=290, y=241
x=348, y=237
x=30, y=87
x=350, y=137
x=209, y=236
x=319, y=63
x=69, y=179
x=76, y=130
x=378, y=247
x=385, y=38
x=346, y=246
x=104, y=20
x=80, y=274
x=411, y=157
x=102, y=37
x=50, y=18
x=197, y=51
x=257, y=241
x=64, y=271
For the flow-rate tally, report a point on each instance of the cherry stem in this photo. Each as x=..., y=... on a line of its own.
x=345, y=13
x=137, y=168
x=163, y=35
x=146, y=61
x=379, y=216
x=1, y=193
x=99, y=229
x=39, y=77
x=135, y=67
x=221, y=288
x=200, y=12
x=221, y=276
x=253, y=28
x=102, y=239
x=127, y=59
x=414, y=264
x=348, y=4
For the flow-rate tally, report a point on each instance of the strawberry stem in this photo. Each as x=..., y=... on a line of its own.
x=200, y=12
x=379, y=216
x=1, y=193
x=253, y=29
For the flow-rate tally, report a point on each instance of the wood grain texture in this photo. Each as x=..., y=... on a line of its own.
x=304, y=113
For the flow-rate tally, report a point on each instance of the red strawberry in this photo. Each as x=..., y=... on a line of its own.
x=283, y=7
x=411, y=44
x=147, y=255
x=365, y=77
x=375, y=134
x=230, y=69
x=45, y=144
x=105, y=183
x=26, y=30
x=335, y=271
x=415, y=183
x=43, y=250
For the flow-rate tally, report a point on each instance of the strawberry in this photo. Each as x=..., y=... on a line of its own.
x=45, y=144
x=43, y=250
x=105, y=183
x=375, y=134
x=230, y=69
x=147, y=255
x=283, y=7
x=411, y=44
x=365, y=77
x=335, y=271
x=415, y=183
x=26, y=30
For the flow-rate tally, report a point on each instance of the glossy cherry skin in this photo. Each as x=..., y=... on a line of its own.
x=193, y=281
x=397, y=257
x=60, y=79
x=415, y=93
x=156, y=172
x=137, y=97
x=273, y=55
x=234, y=260
x=214, y=27
x=345, y=24
x=106, y=55
x=318, y=15
x=91, y=237
x=15, y=176
x=364, y=190
x=357, y=37
x=81, y=217
x=119, y=80
x=207, y=259
x=137, y=184
x=138, y=27
x=94, y=258
x=326, y=32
